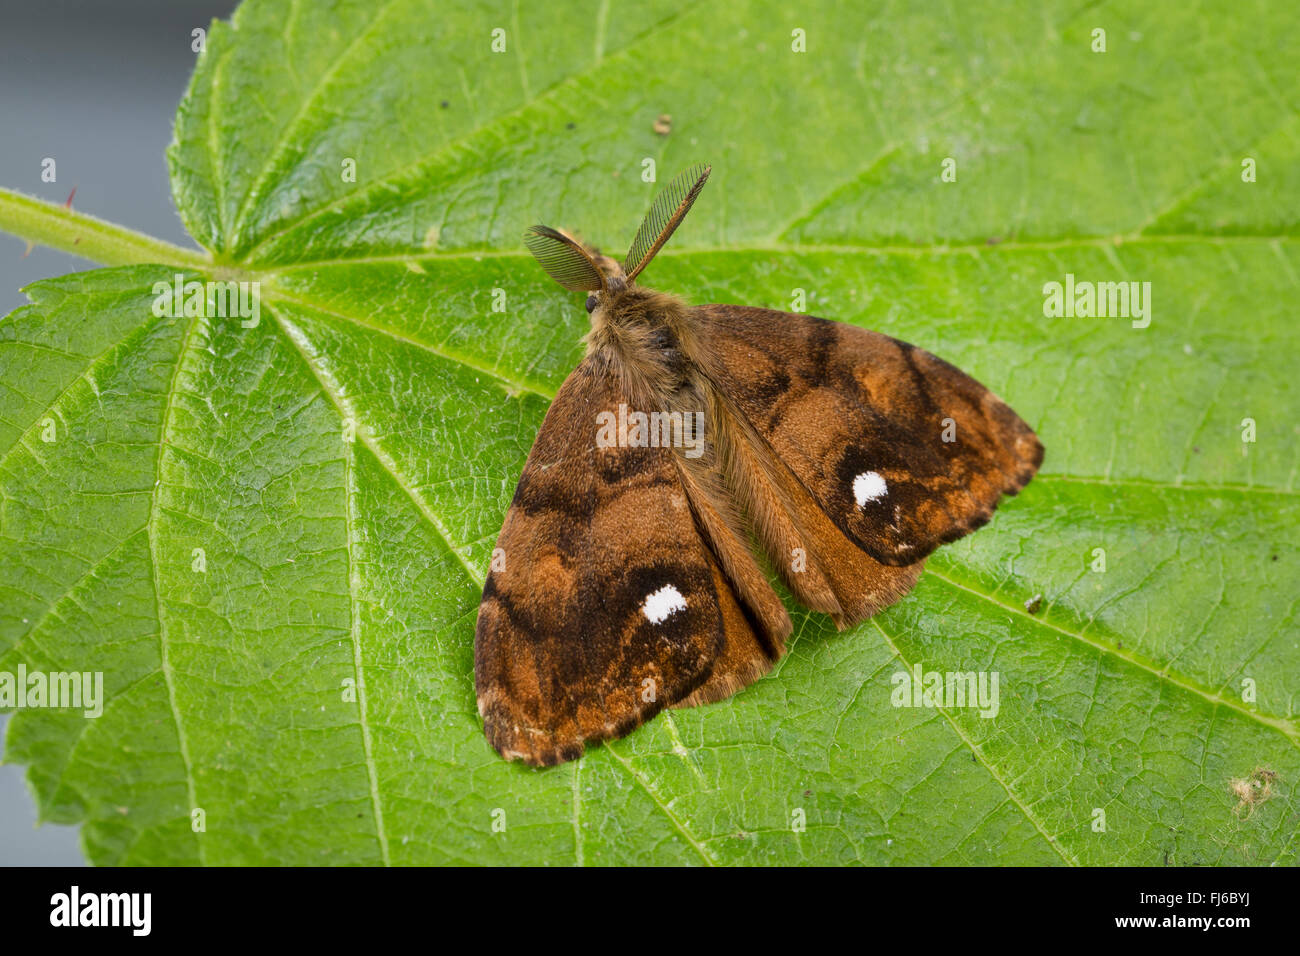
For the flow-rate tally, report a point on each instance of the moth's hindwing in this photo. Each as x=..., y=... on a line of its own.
x=903, y=451
x=603, y=605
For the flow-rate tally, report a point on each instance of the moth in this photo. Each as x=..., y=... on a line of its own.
x=629, y=573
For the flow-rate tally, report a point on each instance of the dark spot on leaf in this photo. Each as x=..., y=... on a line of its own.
x=1034, y=603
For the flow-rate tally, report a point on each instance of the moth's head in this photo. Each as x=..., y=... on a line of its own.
x=605, y=280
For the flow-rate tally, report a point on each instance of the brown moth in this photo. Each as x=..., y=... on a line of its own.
x=627, y=577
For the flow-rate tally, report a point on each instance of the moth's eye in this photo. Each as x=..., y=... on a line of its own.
x=591, y=303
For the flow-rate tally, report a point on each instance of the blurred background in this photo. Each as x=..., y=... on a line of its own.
x=94, y=86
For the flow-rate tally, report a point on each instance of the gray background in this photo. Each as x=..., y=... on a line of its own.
x=93, y=84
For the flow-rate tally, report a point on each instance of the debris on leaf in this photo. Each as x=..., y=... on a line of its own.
x=1252, y=791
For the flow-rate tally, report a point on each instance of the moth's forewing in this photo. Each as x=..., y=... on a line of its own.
x=604, y=605
x=901, y=450
x=743, y=656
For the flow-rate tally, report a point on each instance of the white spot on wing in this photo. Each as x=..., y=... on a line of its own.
x=660, y=605
x=869, y=486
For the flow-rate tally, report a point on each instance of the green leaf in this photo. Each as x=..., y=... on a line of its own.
x=332, y=564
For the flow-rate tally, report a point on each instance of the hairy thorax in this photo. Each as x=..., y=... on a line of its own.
x=645, y=338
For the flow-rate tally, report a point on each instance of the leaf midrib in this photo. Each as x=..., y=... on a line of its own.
x=354, y=632
x=164, y=662
x=918, y=249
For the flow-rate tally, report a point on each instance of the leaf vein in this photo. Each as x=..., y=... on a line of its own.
x=653, y=793
x=1282, y=726
x=155, y=565
x=354, y=630
x=992, y=771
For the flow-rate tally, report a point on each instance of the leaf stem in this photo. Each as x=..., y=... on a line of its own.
x=59, y=227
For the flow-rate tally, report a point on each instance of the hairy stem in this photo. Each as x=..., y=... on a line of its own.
x=46, y=224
